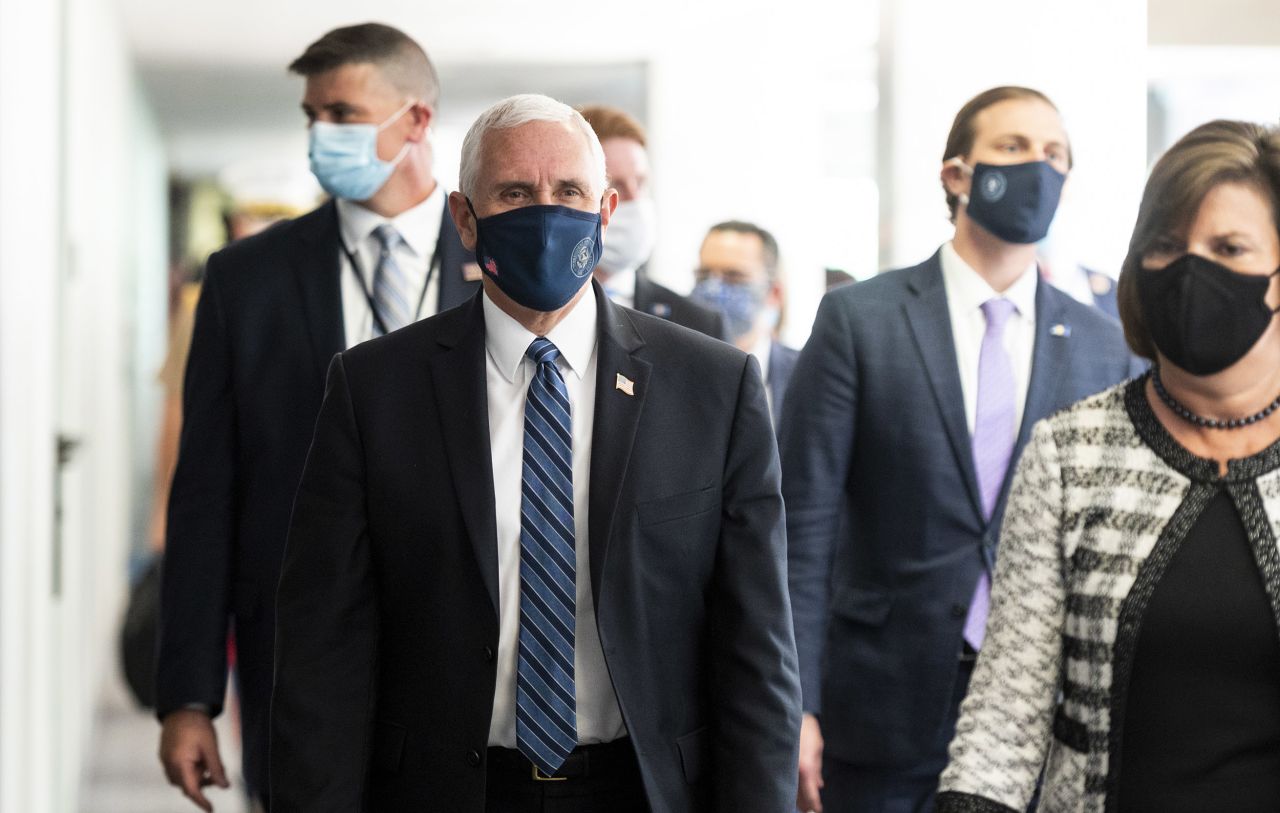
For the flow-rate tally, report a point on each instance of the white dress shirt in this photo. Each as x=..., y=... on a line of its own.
x=508, y=373
x=420, y=229
x=620, y=287
x=966, y=291
x=762, y=349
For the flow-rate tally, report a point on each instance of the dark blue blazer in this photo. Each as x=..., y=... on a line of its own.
x=664, y=303
x=782, y=363
x=1103, y=289
x=388, y=600
x=268, y=321
x=886, y=535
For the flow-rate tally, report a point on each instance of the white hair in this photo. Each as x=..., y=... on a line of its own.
x=513, y=112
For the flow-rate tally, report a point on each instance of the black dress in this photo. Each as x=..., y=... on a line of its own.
x=1202, y=722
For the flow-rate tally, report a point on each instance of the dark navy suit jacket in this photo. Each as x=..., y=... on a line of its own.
x=782, y=363
x=268, y=322
x=886, y=535
x=388, y=601
x=660, y=301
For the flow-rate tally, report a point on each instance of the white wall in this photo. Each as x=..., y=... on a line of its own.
x=81, y=263
x=29, y=265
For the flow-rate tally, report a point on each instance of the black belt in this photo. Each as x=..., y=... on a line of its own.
x=617, y=758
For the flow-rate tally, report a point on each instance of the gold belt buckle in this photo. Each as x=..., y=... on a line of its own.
x=539, y=776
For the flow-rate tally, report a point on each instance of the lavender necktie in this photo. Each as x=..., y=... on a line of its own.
x=994, y=431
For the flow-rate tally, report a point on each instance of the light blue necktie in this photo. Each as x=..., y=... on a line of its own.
x=546, y=709
x=390, y=286
x=994, y=431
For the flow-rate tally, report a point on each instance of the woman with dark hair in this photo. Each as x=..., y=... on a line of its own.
x=1133, y=647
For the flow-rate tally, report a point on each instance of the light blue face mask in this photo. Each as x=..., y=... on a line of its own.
x=344, y=157
x=739, y=303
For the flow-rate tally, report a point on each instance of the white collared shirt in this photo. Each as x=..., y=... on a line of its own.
x=420, y=229
x=966, y=291
x=762, y=350
x=620, y=287
x=508, y=373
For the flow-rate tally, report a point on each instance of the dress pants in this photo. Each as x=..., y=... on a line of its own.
x=601, y=779
x=894, y=789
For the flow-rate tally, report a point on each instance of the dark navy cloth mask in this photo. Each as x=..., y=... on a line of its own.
x=1015, y=202
x=1201, y=315
x=540, y=256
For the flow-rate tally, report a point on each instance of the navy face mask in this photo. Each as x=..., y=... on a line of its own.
x=1203, y=316
x=540, y=256
x=1015, y=202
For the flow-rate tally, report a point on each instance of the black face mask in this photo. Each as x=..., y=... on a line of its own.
x=1203, y=316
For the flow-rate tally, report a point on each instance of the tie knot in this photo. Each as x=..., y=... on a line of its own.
x=541, y=350
x=997, y=311
x=387, y=236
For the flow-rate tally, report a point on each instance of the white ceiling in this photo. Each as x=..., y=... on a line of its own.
x=215, y=75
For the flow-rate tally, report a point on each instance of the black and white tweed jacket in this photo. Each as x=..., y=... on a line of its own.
x=1102, y=498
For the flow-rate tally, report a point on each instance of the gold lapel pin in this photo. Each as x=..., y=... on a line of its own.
x=1060, y=330
x=625, y=384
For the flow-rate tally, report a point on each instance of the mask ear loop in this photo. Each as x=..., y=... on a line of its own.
x=394, y=118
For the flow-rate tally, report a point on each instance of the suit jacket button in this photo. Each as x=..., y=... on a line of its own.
x=488, y=653
x=959, y=611
x=473, y=758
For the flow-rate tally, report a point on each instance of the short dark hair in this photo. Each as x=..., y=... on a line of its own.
x=1215, y=153
x=401, y=60
x=613, y=122
x=767, y=241
x=963, y=131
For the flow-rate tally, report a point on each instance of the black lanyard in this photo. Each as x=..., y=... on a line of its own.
x=368, y=295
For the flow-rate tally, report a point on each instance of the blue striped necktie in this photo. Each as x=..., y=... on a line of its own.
x=546, y=710
x=390, y=285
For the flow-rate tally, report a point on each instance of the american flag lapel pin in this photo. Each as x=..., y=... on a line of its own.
x=625, y=384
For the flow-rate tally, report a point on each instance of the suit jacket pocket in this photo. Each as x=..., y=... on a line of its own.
x=678, y=506
x=863, y=606
x=693, y=753
x=388, y=746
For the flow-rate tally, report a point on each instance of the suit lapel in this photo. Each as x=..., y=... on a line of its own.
x=930, y=322
x=454, y=287
x=1048, y=361
x=458, y=381
x=316, y=271
x=616, y=419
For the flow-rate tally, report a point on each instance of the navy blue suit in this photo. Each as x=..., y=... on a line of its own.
x=1103, y=289
x=664, y=303
x=268, y=322
x=389, y=600
x=782, y=363
x=886, y=533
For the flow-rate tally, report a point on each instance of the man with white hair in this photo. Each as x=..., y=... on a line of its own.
x=537, y=555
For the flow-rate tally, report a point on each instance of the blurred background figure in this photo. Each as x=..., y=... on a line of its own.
x=630, y=241
x=739, y=276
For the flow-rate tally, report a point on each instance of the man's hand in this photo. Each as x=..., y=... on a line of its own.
x=189, y=753
x=808, y=798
